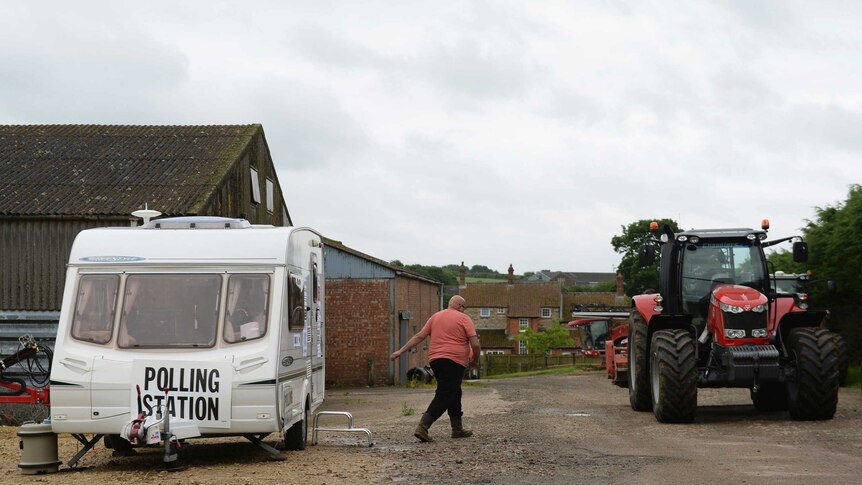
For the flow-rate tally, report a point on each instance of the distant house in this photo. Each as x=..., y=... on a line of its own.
x=504, y=310
x=372, y=309
x=570, y=279
x=56, y=180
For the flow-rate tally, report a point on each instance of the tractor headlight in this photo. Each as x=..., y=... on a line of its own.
x=730, y=308
x=734, y=333
x=759, y=308
x=758, y=333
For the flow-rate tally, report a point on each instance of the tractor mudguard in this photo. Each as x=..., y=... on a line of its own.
x=795, y=320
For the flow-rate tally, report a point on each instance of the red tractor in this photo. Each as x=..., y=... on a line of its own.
x=716, y=323
x=599, y=338
x=592, y=333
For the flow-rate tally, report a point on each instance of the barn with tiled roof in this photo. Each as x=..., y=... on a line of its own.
x=56, y=180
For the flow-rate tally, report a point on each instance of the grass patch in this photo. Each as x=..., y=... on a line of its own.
x=556, y=370
x=407, y=410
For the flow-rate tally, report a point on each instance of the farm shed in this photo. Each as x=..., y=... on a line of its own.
x=56, y=180
x=372, y=309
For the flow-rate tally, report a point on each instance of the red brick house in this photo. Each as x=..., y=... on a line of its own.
x=372, y=309
x=503, y=310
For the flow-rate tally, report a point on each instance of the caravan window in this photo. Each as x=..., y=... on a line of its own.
x=170, y=311
x=247, y=307
x=94, y=308
x=296, y=304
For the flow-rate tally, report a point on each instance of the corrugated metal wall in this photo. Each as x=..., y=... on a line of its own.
x=33, y=257
x=340, y=264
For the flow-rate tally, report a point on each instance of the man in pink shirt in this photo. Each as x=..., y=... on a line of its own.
x=453, y=347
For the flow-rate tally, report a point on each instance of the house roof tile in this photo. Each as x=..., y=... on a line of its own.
x=521, y=299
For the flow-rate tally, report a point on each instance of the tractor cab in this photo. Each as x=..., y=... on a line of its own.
x=592, y=333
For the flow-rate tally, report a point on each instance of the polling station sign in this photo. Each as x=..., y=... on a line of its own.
x=198, y=391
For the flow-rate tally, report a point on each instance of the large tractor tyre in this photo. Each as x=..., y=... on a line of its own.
x=812, y=391
x=770, y=396
x=842, y=356
x=297, y=435
x=673, y=376
x=638, y=379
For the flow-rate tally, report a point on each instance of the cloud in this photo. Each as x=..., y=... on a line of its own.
x=85, y=70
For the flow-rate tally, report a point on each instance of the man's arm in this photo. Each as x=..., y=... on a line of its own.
x=413, y=342
x=474, y=345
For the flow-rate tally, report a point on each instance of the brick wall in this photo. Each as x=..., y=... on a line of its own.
x=357, y=331
x=358, y=321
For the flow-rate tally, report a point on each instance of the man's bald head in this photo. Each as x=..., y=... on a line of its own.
x=457, y=302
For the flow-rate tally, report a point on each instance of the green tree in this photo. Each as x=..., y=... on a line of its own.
x=638, y=278
x=782, y=260
x=552, y=337
x=835, y=247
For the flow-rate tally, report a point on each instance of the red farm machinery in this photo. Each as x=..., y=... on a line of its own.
x=599, y=337
x=30, y=364
x=716, y=322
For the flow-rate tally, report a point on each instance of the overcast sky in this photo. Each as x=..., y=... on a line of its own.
x=486, y=132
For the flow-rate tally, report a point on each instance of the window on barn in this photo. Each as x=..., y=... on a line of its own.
x=270, y=204
x=501, y=311
x=523, y=324
x=255, y=186
x=522, y=347
x=485, y=312
x=546, y=313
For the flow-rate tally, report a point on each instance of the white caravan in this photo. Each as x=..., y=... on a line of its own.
x=220, y=321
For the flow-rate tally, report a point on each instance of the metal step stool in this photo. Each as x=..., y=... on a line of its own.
x=348, y=429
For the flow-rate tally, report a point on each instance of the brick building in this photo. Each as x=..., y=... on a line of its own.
x=503, y=310
x=372, y=309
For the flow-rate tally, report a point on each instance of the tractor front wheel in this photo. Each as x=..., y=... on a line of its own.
x=673, y=376
x=812, y=390
x=638, y=377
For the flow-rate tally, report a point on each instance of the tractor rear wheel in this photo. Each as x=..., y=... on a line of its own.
x=812, y=391
x=842, y=356
x=770, y=396
x=638, y=379
x=673, y=376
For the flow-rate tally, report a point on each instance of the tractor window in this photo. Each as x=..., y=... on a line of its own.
x=710, y=264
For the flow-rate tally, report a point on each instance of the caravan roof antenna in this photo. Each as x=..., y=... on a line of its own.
x=146, y=214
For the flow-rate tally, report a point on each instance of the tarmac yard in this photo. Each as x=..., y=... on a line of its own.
x=570, y=428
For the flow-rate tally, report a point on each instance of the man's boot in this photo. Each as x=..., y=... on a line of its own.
x=422, y=429
x=458, y=430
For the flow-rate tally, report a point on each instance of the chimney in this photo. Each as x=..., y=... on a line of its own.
x=620, y=297
x=463, y=275
x=511, y=274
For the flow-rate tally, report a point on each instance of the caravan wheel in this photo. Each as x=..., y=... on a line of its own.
x=296, y=436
